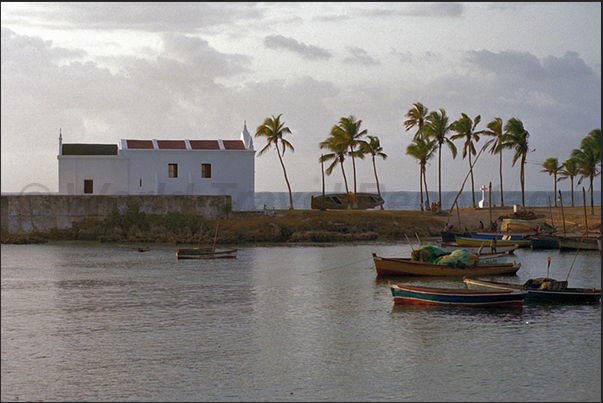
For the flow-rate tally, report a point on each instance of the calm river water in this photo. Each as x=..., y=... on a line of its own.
x=98, y=322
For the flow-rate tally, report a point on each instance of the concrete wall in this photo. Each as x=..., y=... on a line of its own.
x=23, y=214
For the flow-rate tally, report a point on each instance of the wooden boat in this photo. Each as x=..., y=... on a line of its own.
x=144, y=249
x=415, y=295
x=468, y=241
x=530, y=226
x=544, y=242
x=205, y=253
x=342, y=201
x=449, y=247
x=486, y=236
x=407, y=267
x=542, y=290
x=577, y=242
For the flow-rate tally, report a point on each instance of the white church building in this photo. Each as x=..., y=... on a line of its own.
x=161, y=167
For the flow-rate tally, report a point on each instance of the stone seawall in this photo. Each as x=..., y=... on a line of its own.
x=24, y=214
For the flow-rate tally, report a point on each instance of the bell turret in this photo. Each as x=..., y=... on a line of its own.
x=246, y=137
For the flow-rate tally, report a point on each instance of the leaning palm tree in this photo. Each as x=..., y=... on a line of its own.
x=465, y=127
x=552, y=167
x=416, y=117
x=569, y=169
x=495, y=129
x=349, y=128
x=517, y=139
x=422, y=149
x=337, y=144
x=273, y=129
x=437, y=127
x=373, y=147
x=588, y=157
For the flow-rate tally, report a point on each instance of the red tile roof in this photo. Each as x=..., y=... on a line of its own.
x=171, y=144
x=140, y=144
x=233, y=145
x=204, y=144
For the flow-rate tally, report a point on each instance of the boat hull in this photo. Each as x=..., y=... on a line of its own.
x=467, y=241
x=566, y=296
x=545, y=242
x=422, y=296
x=450, y=247
x=407, y=267
x=575, y=243
x=194, y=253
x=343, y=201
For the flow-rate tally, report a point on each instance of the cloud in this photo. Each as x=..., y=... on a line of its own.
x=310, y=52
x=360, y=57
x=438, y=9
x=144, y=16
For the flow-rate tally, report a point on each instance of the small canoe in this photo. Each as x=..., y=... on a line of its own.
x=205, y=253
x=408, y=267
x=542, y=290
x=415, y=295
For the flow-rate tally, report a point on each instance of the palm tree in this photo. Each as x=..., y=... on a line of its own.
x=373, y=147
x=349, y=128
x=273, y=129
x=337, y=144
x=465, y=127
x=495, y=129
x=416, y=117
x=588, y=157
x=437, y=127
x=422, y=149
x=569, y=169
x=517, y=139
x=551, y=166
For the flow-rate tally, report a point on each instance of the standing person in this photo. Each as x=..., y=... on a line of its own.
x=481, y=224
x=493, y=245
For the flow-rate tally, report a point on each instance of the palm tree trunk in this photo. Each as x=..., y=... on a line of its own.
x=555, y=186
x=354, y=172
x=286, y=179
x=592, y=205
x=521, y=180
x=472, y=183
x=377, y=181
x=421, y=184
x=425, y=181
x=502, y=203
x=345, y=182
x=440, y=176
x=572, y=182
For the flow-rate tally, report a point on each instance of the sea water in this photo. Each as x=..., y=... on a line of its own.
x=88, y=321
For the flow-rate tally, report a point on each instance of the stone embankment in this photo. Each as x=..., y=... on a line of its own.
x=305, y=226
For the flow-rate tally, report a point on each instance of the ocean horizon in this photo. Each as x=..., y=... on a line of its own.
x=404, y=200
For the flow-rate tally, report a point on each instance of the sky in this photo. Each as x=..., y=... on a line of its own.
x=102, y=72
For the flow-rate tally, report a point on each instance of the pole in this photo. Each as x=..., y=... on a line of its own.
x=585, y=219
x=562, y=214
x=576, y=255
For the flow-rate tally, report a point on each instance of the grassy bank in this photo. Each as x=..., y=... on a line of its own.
x=301, y=226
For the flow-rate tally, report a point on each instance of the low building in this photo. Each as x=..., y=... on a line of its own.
x=161, y=167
